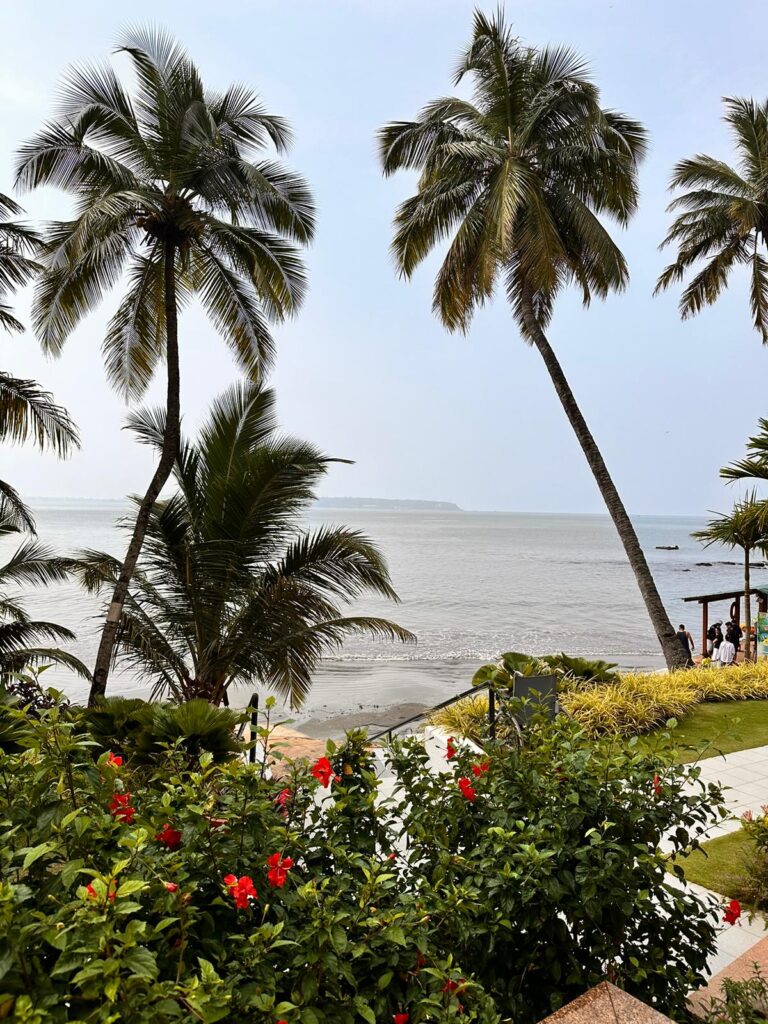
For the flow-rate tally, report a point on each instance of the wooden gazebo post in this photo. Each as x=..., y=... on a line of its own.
x=704, y=627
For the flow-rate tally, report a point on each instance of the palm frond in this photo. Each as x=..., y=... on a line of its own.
x=27, y=412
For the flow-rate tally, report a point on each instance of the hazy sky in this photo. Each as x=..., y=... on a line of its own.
x=365, y=370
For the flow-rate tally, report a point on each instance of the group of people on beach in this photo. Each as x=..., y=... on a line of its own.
x=722, y=644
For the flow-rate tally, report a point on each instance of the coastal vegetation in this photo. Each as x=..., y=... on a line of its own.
x=175, y=198
x=172, y=887
x=636, y=703
x=230, y=588
x=520, y=179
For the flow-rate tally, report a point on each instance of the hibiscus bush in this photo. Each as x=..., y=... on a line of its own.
x=172, y=892
x=185, y=889
x=547, y=866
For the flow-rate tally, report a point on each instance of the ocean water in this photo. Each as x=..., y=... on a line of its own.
x=471, y=584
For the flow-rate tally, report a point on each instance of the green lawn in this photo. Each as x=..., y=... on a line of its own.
x=722, y=728
x=720, y=865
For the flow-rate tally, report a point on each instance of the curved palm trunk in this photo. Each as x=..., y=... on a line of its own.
x=670, y=645
x=159, y=479
x=747, y=608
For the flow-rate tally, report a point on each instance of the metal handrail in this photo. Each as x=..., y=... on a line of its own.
x=444, y=704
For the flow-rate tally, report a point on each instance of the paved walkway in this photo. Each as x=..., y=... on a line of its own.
x=745, y=774
x=744, y=778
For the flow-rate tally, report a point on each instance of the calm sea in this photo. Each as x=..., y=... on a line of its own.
x=472, y=584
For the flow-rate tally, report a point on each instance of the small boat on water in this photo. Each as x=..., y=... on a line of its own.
x=667, y=547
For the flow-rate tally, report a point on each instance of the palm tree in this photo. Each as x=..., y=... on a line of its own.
x=174, y=194
x=229, y=588
x=27, y=412
x=755, y=465
x=746, y=527
x=724, y=219
x=25, y=641
x=519, y=179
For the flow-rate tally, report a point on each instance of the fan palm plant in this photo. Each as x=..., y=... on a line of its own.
x=228, y=587
x=518, y=179
x=724, y=218
x=24, y=641
x=745, y=527
x=174, y=195
x=27, y=412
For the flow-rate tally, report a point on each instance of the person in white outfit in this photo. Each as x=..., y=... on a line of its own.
x=726, y=654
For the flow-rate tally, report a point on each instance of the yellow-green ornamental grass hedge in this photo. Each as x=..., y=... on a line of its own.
x=635, y=703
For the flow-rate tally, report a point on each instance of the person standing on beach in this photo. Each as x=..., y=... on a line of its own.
x=714, y=633
x=727, y=652
x=734, y=633
x=715, y=655
x=686, y=642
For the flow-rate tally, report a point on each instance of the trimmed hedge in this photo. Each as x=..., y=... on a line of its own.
x=634, y=704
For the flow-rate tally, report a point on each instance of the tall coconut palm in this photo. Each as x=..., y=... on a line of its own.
x=229, y=587
x=175, y=196
x=27, y=412
x=518, y=179
x=745, y=527
x=25, y=641
x=724, y=219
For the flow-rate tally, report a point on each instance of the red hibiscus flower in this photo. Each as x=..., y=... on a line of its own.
x=171, y=886
x=467, y=790
x=217, y=822
x=657, y=786
x=323, y=772
x=450, y=750
x=241, y=890
x=281, y=800
x=732, y=912
x=278, y=870
x=450, y=986
x=169, y=837
x=115, y=761
x=400, y=1018
x=120, y=807
x=111, y=891
x=479, y=770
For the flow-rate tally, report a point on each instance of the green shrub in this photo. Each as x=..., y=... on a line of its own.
x=742, y=1002
x=507, y=894
x=114, y=721
x=631, y=704
x=141, y=731
x=196, y=727
x=337, y=937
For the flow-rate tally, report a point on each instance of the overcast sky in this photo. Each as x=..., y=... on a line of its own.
x=365, y=371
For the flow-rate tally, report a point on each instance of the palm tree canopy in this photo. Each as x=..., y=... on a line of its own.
x=724, y=218
x=745, y=527
x=755, y=466
x=229, y=587
x=517, y=178
x=169, y=164
x=29, y=413
x=19, y=244
x=24, y=641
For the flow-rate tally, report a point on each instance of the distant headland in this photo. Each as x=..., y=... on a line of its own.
x=388, y=504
